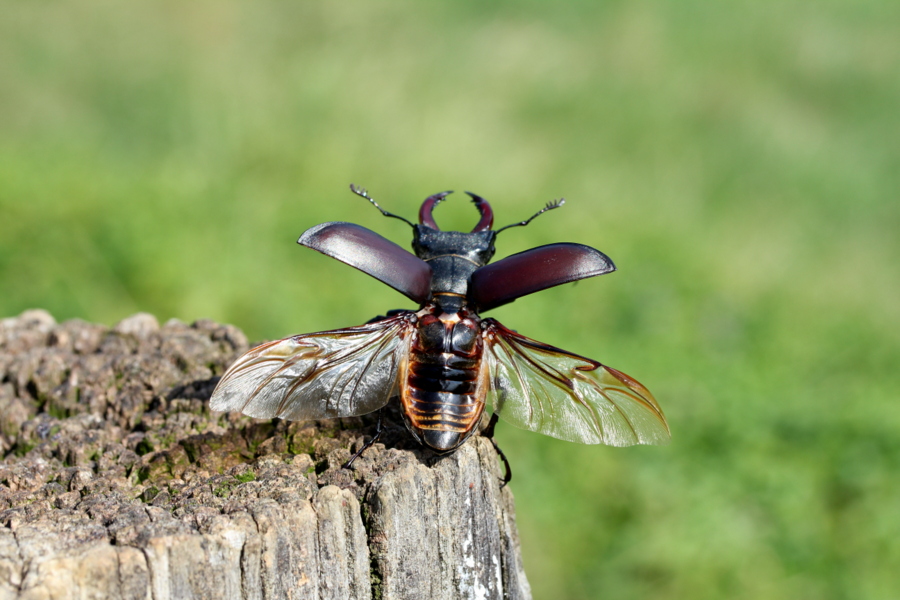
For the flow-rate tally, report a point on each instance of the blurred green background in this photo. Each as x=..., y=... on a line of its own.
x=740, y=161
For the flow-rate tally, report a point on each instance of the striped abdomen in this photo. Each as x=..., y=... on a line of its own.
x=441, y=392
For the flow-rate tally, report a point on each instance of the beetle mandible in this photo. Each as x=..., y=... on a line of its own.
x=443, y=361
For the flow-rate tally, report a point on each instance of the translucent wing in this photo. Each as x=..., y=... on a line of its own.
x=540, y=388
x=340, y=373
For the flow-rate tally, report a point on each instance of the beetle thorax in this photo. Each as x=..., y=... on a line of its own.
x=453, y=256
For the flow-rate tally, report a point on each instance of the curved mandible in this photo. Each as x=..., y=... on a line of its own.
x=425, y=216
x=487, y=215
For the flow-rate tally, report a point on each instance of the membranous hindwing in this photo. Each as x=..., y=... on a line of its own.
x=538, y=387
x=340, y=373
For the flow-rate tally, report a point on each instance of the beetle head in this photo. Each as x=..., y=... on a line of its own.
x=429, y=241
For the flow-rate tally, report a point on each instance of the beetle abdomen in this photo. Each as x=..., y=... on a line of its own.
x=440, y=394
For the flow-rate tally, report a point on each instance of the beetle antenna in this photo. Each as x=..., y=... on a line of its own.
x=362, y=192
x=550, y=206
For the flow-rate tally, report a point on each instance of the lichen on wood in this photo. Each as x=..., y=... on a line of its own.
x=117, y=482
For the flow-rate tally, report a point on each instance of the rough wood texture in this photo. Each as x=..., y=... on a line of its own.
x=117, y=482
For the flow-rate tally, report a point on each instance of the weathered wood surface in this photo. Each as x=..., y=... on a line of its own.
x=117, y=482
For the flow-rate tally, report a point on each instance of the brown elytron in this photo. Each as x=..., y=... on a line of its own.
x=441, y=389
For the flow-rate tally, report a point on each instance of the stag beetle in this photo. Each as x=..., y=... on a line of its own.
x=443, y=361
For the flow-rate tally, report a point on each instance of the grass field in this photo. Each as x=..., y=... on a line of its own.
x=740, y=161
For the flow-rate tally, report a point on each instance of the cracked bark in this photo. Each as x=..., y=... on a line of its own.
x=117, y=482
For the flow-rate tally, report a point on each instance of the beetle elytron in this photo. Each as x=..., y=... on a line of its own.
x=443, y=361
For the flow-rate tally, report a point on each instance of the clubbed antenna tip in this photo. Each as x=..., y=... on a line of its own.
x=550, y=206
x=365, y=194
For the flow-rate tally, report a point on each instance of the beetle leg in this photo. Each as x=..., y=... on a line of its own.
x=489, y=434
x=378, y=431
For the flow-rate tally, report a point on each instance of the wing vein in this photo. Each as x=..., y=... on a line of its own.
x=344, y=372
x=568, y=396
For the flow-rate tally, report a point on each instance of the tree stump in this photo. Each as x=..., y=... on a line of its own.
x=117, y=482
